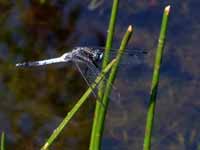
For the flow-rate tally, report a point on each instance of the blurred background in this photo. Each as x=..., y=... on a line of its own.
x=34, y=101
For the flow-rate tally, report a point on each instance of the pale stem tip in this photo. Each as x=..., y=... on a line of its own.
x=167, y=9
x=130, y=28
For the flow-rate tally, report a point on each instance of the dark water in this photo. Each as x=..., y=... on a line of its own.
x=33, y=101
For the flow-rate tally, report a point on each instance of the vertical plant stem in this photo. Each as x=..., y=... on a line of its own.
x=2, y=141
x=114, y=70
x=106, y=56
x=111, y=30
x=98, y=129
x=155, y=80
x=65, y=121
x=95, y=135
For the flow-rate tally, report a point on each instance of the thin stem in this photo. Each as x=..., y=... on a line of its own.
x=155, y=80
x=106, y=56
x=2, y=141
x=95, y=139
x=111, y=30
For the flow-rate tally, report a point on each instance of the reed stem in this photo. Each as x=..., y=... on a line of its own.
x=155, y=80
x=95, y=135
x=2, y=141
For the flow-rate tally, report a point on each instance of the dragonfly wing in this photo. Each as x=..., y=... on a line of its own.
x=130, y=59
x=127, y=51
x=88, y=82
x=93, y=72
x=84, y=77
x=130, y=56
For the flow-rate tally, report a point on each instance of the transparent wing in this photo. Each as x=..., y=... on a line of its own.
x=84, y=77
x=127, y=51
x=114, y=50
x=130, y=56
x=88, y=82
x=91, y=75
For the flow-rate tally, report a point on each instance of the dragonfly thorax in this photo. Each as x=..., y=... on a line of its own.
x=91, y=54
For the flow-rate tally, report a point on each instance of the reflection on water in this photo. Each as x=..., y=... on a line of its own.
x=34, y=101
x=95, y=4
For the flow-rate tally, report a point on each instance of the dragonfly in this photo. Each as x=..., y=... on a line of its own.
x=78, y=54
x=89, y=56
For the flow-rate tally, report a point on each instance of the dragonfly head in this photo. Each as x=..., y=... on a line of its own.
x=97, y=55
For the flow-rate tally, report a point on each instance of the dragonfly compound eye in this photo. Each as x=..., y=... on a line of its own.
x=97, y=56
x=101, y=56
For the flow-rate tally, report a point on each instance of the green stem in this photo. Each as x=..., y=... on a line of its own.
x=95, y=140
x=98, y=125
x=155, y=80
x=106, y=56
x=2, y=141
x=65, y=121
x=111, y=30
